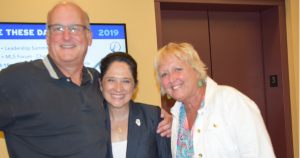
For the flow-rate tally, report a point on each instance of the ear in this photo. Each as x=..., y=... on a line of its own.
x=47, y=38
x=89, y=37
x=135, y=88
x=197, y=74
x=135, y=91
x=100, y=85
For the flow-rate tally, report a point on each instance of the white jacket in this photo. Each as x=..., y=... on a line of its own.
x=228, y=126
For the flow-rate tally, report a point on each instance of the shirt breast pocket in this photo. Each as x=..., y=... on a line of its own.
x=219, y=140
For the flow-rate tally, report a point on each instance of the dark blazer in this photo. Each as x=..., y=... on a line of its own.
x=142, y=139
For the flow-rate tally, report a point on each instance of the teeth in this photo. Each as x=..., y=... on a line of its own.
x=67, y=46
x=175, y=87
x=117, y=96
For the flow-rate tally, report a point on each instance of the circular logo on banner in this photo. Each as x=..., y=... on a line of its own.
x=115, y=46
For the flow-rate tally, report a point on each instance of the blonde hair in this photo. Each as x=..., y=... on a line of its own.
x=184, y=52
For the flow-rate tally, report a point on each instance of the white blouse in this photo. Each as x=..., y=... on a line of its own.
x=119, y=149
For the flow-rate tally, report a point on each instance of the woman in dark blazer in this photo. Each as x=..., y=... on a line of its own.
x=132, y=125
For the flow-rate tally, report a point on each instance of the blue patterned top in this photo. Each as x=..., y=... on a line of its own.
x=185, y=148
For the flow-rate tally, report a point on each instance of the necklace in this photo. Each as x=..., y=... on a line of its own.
x=119, y=129
x=119, y=125
x=119, y=132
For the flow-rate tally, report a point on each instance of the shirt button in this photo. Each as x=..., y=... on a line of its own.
x=200, y=155
x=198, y=130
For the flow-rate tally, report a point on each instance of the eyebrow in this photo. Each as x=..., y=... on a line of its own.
x=119, y=77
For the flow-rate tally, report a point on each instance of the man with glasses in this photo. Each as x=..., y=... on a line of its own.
x=53, y=107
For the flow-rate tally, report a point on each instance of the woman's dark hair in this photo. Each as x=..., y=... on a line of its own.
x=120, y=57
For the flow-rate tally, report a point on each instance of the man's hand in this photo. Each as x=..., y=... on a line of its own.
x=164, y=127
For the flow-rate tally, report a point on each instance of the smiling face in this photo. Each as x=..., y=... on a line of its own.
x=67, y=48
x=178, y=79
x=118, y=85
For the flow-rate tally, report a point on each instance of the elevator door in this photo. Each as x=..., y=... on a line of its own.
x=229, y=44
x=236, y=52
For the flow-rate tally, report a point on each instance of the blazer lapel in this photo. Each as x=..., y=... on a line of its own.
x=135, y=129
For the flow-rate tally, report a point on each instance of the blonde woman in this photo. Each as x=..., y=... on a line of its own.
x=209, y=120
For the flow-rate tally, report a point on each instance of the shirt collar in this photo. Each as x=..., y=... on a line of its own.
x=55, y=73
x=175, y=109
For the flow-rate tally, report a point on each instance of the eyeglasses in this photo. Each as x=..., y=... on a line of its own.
x=74, y=29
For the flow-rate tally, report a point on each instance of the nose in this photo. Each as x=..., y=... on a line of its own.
x=66, y=34
x=169, y=79
x=118, y=86
x=172, y=77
